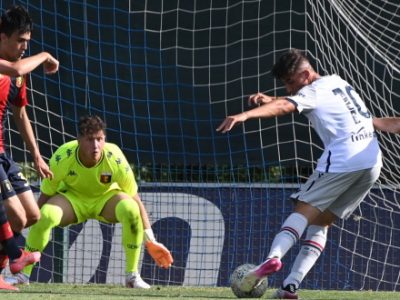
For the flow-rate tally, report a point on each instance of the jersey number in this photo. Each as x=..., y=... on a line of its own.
x=355, y=109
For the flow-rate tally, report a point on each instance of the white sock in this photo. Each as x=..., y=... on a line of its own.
x=308, y=255
x=291, y=231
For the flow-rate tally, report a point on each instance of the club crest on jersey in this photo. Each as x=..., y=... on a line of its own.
x=105, y=177
x=19, y=81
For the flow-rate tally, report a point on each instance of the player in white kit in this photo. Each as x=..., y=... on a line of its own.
x=347, y=169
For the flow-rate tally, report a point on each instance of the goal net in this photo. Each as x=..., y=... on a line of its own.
x=163, y=75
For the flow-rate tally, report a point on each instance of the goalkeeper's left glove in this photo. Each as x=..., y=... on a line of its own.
x=161, y=255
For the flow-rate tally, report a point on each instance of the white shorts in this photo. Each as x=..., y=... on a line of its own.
x=340, y=193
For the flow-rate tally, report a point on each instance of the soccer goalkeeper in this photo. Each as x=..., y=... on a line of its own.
x=93, y=180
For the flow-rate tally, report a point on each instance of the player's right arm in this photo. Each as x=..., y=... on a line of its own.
x=274, y=108
x=59, y=166
x=25, y=65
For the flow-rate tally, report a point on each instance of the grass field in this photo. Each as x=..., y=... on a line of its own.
x=112, y=292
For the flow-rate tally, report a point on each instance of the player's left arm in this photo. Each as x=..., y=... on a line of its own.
x=126, y=180
x=388, y=124
x=25, y=129
x=161, y=255
x=143, y=212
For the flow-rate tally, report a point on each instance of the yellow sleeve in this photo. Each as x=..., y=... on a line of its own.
x=58, y=166
x=125, y=178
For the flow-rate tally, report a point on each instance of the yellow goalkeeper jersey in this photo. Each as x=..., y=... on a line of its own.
x=112, y=172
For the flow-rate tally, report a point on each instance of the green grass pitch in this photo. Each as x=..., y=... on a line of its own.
x=54, y=291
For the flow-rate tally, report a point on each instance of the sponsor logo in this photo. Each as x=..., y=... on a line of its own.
x=362, y=135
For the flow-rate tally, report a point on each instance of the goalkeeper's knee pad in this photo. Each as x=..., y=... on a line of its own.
x=50, y=216
x=127, y=210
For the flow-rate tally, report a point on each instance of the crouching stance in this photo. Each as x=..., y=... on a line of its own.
x=93, y=180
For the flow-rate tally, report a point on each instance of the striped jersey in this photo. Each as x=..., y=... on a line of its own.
x=12, y=90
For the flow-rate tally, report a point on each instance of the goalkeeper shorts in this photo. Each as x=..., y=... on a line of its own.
x=89, y=208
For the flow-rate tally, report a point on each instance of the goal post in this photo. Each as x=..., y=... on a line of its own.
x=163, y=75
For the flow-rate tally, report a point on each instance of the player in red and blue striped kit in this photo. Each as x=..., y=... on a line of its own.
x=18, y=208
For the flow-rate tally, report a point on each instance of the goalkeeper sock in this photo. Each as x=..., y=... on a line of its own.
x=39, y=234
x=308, y=255
x=128, y=214
x=290, y=233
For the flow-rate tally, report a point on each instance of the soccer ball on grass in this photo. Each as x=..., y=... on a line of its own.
x=237, y=277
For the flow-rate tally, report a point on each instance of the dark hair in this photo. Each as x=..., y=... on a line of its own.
x=288, y=64
x=16, y=18
x=90, y=124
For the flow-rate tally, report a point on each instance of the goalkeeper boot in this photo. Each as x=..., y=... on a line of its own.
x=287, y=292
x=26, y=258
x=134, y=281
x=5, y=286
x=256, y=275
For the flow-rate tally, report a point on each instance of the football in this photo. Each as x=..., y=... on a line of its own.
x=236, y=278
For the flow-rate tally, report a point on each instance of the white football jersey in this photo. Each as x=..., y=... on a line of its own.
x=343, y=123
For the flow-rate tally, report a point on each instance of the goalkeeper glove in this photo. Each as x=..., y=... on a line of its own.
x=161, y=255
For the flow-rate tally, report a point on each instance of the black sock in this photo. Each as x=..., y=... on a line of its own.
x=7, y=237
